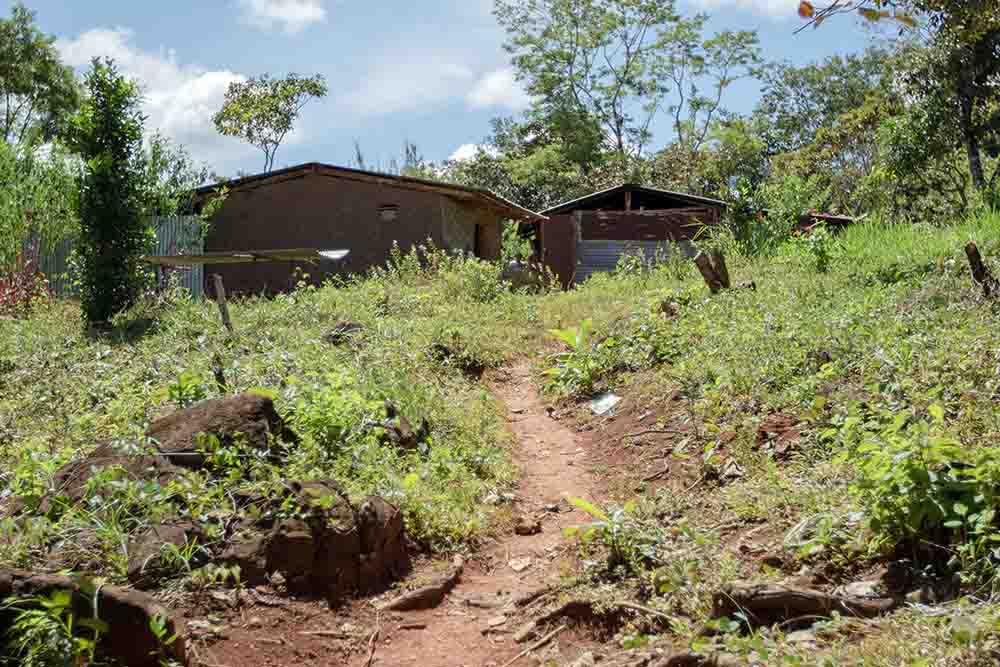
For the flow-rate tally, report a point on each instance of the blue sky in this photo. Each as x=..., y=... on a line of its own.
x=429, y=72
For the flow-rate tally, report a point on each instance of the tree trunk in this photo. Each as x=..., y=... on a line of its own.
x=980, y=272
x=971, y=141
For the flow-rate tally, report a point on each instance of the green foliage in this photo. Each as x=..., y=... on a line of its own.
x=107, y=134
x=821, y=245
x=187, y=390
x=39, y=201
x=514, y=246
x=46, y=632
x=632, y=541
x=263, y=110
x=599, y=68
x=918, y=483
x=38, y=94
x=577, y=371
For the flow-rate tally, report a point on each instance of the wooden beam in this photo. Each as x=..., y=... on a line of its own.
x=628, y=200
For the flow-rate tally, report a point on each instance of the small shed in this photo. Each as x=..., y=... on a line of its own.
x=590, y=234
x=320, y=206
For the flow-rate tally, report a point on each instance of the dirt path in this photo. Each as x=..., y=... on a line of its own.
x=471, y=628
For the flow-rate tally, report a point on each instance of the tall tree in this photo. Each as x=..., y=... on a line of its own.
x=592, y=64
x=958, y=79
x=37, y=92
x=107, y=134
x=798, y=100
x=262, y=110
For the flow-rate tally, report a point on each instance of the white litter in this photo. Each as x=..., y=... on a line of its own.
x=604, y=403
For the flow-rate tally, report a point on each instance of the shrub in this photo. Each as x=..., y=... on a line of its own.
x=920, y=485
x=23, y=286
x=114, y=233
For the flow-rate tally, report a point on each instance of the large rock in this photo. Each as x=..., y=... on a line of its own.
x=329, y=548
x=148, y=558
x=70, y=481
x=251, y=417
x=128, y=613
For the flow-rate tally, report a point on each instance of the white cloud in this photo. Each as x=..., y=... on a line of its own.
x=464, y=152
x=407, y=82
x=498, y=88
x=773, y=8
x=179, y=99
x=291, y=15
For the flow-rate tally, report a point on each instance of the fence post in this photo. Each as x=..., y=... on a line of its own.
x=220, y=298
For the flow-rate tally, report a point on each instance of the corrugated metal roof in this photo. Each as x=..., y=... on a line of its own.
x=408, y=182
x=583, y=201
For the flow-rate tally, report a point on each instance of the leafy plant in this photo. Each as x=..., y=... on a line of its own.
x=918, y=483
x=632, y=543
x=45, y=631
x=188, y=389
x=821, y=246
x=23, y=286
x=577, y=370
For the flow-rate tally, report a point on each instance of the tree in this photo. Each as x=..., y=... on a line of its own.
x=262, y=110
x=957, y=78
x=39, y=201
x=591, y=66
x=107, y=134
x=37, y=92
x=797, y=101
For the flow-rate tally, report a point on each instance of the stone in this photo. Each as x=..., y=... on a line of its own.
x=585, y=660
x=250, y=417
x=128, y=614
x=147, y=556
x=520, y=564
x=526, y=526
x=398, y=431
x=70, y=481
x=341, y=332
x=332, y=549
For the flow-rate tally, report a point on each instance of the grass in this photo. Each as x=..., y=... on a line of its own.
x=892, y=333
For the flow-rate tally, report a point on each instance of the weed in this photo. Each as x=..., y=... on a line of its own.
x=632, y=543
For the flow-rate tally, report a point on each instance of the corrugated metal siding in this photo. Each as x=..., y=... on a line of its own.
x=175, y=235
x=178, y=235
x=603, y=256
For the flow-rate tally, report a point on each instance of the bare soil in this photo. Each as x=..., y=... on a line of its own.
x=475, y=625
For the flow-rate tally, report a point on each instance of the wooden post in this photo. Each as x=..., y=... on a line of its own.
x=220, y=374
x=628, y=200
x=220, y=298
x=704, y=265
x=980, y=272
x=719, y=263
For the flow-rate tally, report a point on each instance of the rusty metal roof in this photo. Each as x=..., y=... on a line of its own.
x=461, y=192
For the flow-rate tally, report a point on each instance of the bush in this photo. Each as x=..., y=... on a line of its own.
x=921, y=486
x=114, y=232
x=23, y=286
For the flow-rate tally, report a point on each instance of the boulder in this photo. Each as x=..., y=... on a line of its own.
x=329, y=548
x=251, y=417
x=400, y=433
x=128, y=613
x=70, y=481
x=147, y=556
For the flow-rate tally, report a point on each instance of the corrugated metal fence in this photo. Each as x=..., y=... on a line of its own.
x=175, y=235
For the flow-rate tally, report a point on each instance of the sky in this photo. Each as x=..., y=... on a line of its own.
x=430, y=72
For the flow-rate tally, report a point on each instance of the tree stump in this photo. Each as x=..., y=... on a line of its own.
x=713, y=269
x=980, y=272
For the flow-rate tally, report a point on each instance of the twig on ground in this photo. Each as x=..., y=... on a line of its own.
x=331, y=634
x=645, y=610
x=657, y=475
x=651, y=431
x=537, y=645
x=372, y=645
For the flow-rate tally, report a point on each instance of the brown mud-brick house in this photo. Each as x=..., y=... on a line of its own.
x=590, y=234
x=323, y=207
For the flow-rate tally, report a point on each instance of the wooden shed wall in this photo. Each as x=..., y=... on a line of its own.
x=321, y=212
